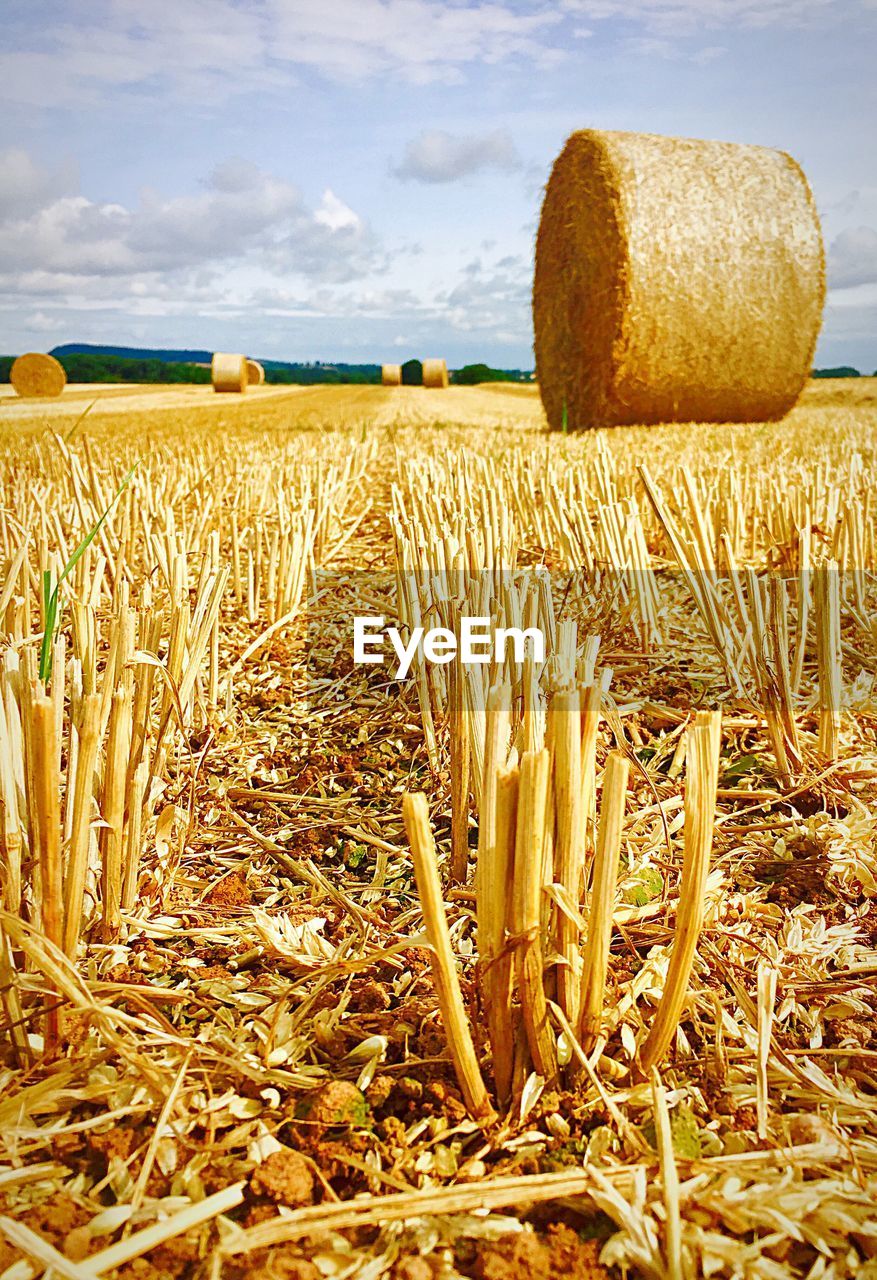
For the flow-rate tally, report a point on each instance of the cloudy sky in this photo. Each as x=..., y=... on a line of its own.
x=317, y=179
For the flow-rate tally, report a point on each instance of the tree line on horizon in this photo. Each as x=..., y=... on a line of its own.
x=92, y=366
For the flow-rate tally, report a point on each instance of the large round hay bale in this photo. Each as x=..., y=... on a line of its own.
x=391, y=375
x=36, y=374
x=228, y=372
x=435, y=373
x=676, y=280
x=255, y=373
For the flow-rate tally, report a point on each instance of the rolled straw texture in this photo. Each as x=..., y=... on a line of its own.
x=435, y=373
x=255, y=373
x=391, y=375
x=36, y=374
x=228, y=372
x=676, y=281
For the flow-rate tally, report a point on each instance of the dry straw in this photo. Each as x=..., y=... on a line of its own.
x=415, y=811
x=228, y=372
x=676, y=280
x=391, y=375
x=255, y=373
x=36, y=374
x=435, y=373
x=702, y=750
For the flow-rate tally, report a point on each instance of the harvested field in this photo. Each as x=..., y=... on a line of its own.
x=224, y=1053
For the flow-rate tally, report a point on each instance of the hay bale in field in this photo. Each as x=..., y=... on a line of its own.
x=435, y=373
x=36, y=374
x=391, y=375
x=255, y=373
x=676, y=280
x=228, y=372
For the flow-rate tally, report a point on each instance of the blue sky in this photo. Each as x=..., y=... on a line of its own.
x=361, y=179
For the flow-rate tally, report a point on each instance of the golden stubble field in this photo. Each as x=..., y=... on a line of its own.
x=225, y=1046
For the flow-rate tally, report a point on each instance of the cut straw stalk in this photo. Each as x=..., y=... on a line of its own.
x=704, y=741
x=670, y=1179
x=10, y=824
x=81, y=787
x=135, y=797
x=497, y=979
x=596, y=957
x=415, y=812
x=766, y=988
x=460, y=760
x=46, y=792
x=529, y=840
x=10, y=1001
x=496, y=835
x=113, y=812
x=569, y=848
x=828, y=650
x=590, y=726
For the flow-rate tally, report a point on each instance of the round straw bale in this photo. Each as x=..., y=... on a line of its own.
x=676, y=281
x=228, y=372
x=435, y=373
x=35, y=374
x=255, y=373
x=391, y=375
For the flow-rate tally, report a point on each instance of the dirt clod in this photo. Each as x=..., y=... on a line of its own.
x=285, y=1177
x=558, y=1255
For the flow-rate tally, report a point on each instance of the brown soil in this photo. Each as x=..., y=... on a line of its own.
x=285, y=1177
x=231, y=891
x=54, y=1221
x=558, y=1255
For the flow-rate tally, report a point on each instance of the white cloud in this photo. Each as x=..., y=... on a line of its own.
x=40, y=322
x=335, y=214
x=242, y=214
x=66, y=247
x=492, y=300
x=852, y=258
x=685, y=17
x=207, y=50
x=436, y=156
x=203, y=48
x=422, y=40
x=26, y=187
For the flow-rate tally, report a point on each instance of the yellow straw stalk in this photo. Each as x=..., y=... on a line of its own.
x=704, y=739
x=415, y=812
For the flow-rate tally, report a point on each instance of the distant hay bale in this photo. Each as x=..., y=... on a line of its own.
x=36, y=374
x=255, y=373
x=676, y=281
x=228, y=372
x=435, y=373
x=391, y=375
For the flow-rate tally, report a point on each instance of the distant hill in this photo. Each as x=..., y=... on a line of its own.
x=842, y=371
x=307, y=371
x=132, y=353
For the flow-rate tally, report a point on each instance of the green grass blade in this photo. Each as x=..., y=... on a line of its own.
x=51, y=596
